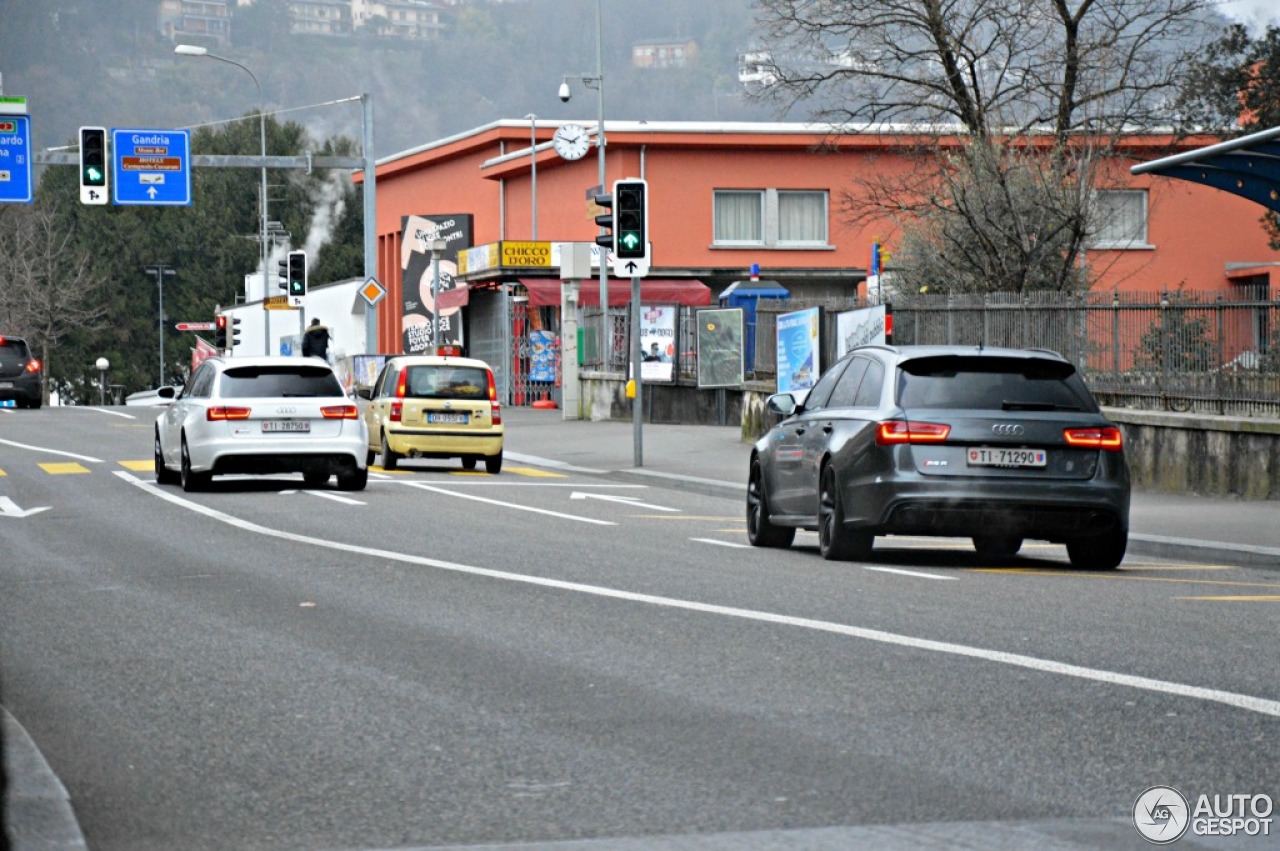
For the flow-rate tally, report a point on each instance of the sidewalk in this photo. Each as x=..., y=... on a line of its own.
x=713, y=459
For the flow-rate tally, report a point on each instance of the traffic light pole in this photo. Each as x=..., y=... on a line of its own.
x=637, y=357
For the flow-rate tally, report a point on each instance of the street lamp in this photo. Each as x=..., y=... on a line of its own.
x=160, y=270
x=195, y=50
x=564, y=95
x=533, y=170
x=103, y=365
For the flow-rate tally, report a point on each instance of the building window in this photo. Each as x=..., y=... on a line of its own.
x=1120, y=218
x=770, y=217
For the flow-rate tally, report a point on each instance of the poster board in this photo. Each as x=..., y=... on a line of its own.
x=720, y=351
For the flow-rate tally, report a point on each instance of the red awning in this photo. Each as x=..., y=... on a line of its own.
x=545, y=292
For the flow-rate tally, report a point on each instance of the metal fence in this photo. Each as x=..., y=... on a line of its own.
x=1211, y=353
x=1206, y=352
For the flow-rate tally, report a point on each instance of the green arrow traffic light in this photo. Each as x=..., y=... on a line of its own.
x=629, y=240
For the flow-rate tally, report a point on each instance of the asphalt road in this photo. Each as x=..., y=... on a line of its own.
x=539, y=657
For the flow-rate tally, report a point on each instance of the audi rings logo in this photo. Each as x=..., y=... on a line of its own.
x=1007, y=429
x=1161, y=815
x=285, y=409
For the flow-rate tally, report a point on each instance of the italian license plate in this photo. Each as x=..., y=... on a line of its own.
x=452, y=419
x=989, y=456
x=286, y=425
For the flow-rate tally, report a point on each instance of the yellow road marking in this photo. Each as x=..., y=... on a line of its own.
x=3, y=473
x=1085, y=574
x=64, y=468
x=1264, y=599
x=139, y=466
x=534, y=472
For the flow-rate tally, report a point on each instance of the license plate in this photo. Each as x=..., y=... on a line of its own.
x=453, y=419
x=6, y=384
x=286, y=425
x=988, y=456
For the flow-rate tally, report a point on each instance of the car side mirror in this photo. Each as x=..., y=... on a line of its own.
x=782, y=404
x=365, y=393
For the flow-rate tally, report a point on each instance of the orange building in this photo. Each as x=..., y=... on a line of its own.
x=725, y=196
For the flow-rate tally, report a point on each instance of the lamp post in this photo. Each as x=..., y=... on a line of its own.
x=194, y=50
x=160, y=270
x=533, y=170
x=565, y=94
x=103, y=365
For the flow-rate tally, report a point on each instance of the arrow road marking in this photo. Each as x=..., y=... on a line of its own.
x=517, y=506
x=9, y=509
x=625, y=500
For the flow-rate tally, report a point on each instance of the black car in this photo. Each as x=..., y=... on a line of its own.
x=20, y=379
x=996, y=445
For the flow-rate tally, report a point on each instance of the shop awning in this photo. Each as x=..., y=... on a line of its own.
x=545, y=292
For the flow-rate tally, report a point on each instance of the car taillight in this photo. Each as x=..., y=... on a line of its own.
x=401, y=382
x=895, y=432
x=1104, y=437
x=340, y=412
x=397, y=411
x=33, y=365
x=495, y=410
x=225, y=412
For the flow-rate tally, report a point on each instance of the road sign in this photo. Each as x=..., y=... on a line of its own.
x=151, y=166
x=630, y=268
x=193, y=326
x=277, y=302
x=16, y=186
x=372, y=291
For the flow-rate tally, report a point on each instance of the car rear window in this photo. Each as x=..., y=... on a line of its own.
x=13, y=352
x=447, y=382
x=992, y=383
x=245, y=382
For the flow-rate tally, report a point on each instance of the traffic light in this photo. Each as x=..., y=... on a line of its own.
x=220, y=332
x=297, y=277
x=93, y=165
x=282, y=274
x=605, y=220
x=630, y=231
x=235, y=331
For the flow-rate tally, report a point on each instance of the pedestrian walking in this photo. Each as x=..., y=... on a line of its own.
x=315, y=343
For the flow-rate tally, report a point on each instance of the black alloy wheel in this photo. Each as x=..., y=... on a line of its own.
x=835, y=542
x=760, y=531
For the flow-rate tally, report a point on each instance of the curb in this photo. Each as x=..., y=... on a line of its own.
x=37, y=808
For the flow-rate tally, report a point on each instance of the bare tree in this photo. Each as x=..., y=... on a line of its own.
x=1014, y=103
x=47, y=288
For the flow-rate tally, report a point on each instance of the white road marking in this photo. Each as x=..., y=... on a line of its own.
x=9, y=508
x=908, y=572
x=112, y=413
x=335, y=497
x=718, y=543
x=625, y=500
x=1249, y=703
x=88, y=458
x=517, y=506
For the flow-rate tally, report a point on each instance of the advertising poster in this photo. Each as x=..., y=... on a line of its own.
x=798, y=350
x=418, y=274
x=658, y=342
x=720, y=356
x=544, y=356
x=863, y=327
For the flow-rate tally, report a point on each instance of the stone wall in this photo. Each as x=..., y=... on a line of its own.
x=1175, y=453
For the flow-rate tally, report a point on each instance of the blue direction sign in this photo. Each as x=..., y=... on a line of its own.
x=16, y=186
x=151, y=166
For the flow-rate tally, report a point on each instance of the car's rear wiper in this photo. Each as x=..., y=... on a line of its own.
x=1014, y=405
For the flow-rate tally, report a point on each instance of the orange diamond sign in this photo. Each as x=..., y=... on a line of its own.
x=372, y=291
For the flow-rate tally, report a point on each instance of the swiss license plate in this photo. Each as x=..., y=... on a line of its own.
x=286, y=425
x=990, y=456
x=454, y=419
